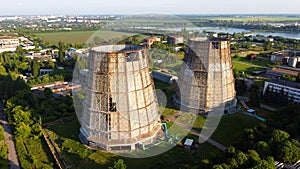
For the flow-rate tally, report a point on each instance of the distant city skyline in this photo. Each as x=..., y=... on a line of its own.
x=79, y=7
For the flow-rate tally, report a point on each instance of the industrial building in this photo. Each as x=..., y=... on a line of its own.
x=174, y=39
x=120, y=107
x=57, y=88
x=163, y=77
x=287, y=57
x=290, y=89
x=282, y=70
x=150, y=40
x=206, y=79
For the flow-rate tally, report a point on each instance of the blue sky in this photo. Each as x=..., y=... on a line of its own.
x=43, y=7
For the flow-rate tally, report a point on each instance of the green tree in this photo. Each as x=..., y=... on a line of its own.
x=3, y=71
x=262, y=148
x=23, y=130
x=21, y=116
x=119, y=165
x=222, y=166
x=61, y=52
x=47, y=93
x=2, y=134
x=241, y=158
x=278, y=136
x=35, y=68
x=289, y=152
x=19, y=51
x=267, y=45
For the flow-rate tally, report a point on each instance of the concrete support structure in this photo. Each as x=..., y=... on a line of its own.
x=120, y=109
x=206, y=79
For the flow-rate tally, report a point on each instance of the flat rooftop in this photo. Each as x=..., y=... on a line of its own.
x=285, y=71
x=285, y=83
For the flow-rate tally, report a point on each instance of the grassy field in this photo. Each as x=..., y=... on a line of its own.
x=80, y=157
x=169, y=91
x=228, y=133
x=240, y=62
x=254, y=19
x=232, y=126
x=78, y=36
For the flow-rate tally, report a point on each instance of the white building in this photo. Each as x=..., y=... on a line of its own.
x=9, y=42
x=292, y=89
x=290, y=58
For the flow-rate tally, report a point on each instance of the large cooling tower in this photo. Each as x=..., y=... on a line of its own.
x=206, y=79
x=120, y=109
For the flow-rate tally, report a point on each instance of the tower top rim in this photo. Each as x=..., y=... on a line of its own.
x=116, y=48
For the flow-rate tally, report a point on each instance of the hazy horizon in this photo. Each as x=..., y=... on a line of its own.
x=119, y=7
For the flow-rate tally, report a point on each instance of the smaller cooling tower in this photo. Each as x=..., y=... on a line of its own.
x=120, y=108
x=206, y=79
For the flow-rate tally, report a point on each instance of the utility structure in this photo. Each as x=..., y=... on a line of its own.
x=206, y=80
x=120, y=109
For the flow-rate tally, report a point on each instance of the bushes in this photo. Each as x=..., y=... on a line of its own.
x=3, y=150
x=22, y=154
x=45, y=79
x=74, y=147
x=32, y=155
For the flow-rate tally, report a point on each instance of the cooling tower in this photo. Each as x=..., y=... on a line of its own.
x=120, y=109
x=206, y=78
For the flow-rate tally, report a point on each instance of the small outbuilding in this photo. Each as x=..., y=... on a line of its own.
x=188, y=143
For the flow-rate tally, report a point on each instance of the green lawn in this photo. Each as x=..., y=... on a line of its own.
x=231, y=128
x=80, y=156
x=242, y=64
x=169, y=91
x=78, y=36
x=228, y=132
x=260, y=82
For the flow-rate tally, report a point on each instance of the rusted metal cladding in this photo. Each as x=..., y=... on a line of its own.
x=120, y=108
x=206, y=78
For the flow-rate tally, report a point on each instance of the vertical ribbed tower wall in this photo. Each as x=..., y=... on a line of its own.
x=206, y=79
x=120, y=108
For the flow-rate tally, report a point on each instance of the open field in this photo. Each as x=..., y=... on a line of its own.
x=240, y=62
x=65, y=134
x=79, y=156
x=231, y=128
x=78, y=36
x=228, y=133
x=255, y=19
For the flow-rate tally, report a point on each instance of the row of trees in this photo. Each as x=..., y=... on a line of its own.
x=3, y=149
x=45, y=79
x=250, y=159
x=289, y=78
x=276, y=143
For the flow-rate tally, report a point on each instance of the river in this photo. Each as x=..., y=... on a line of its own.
x=237, y=30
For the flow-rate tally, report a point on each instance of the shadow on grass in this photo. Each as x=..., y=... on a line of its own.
x=169, y=91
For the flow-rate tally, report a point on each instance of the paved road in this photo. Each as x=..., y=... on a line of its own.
x=209, y=140
x=12, y=154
